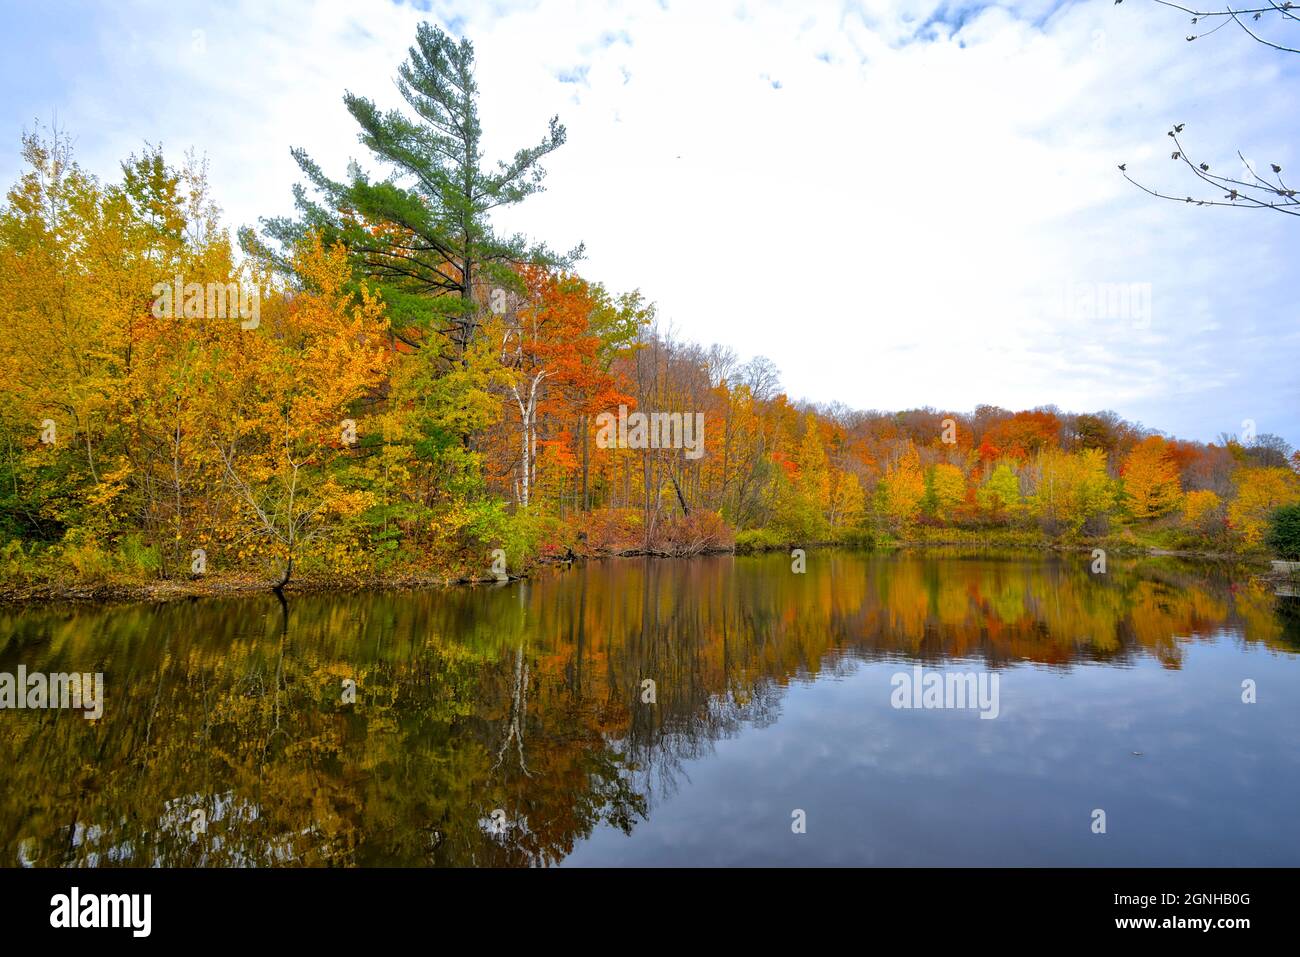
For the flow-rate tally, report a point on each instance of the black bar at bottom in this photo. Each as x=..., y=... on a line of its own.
x=338, y=907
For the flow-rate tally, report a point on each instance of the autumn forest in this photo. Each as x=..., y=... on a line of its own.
x=383, y=388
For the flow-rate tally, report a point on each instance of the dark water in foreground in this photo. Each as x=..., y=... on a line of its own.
x=506, y=725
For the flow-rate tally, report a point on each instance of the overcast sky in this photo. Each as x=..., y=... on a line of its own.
x=900, y=202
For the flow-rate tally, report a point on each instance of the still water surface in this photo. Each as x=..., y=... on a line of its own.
x=507, y=725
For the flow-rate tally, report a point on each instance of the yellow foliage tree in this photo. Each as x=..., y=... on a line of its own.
x=948, y=489
x=902, y=488
x=1151, y=486
x=1201, y=508
x=1071, y=488
x=846, y=499
x=1259, y=492
x=285, y=401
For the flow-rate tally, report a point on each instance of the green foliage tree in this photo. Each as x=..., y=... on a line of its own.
x=1000, y=491
x=1283, y=535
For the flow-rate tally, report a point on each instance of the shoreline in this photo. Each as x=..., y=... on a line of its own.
x=241, y=585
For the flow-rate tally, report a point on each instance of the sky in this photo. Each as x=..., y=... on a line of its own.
x=901, y=203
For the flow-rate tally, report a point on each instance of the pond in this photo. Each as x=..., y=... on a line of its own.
x=914, y=708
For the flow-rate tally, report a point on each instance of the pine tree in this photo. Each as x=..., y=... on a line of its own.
x=421, y=234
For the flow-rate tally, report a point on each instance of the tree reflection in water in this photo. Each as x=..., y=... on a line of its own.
x=524, y=698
